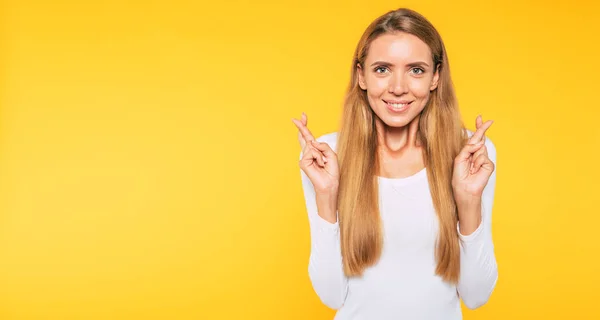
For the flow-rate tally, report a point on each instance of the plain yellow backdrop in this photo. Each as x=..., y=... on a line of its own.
x=148, y=162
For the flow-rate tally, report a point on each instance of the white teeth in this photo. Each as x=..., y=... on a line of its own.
x=398, y=105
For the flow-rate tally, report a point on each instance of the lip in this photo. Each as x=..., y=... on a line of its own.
x=403, y=109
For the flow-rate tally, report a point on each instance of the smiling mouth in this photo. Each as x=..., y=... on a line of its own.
x=398, y=105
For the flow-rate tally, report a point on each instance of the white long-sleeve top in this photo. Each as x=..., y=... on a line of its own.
x=403, y=284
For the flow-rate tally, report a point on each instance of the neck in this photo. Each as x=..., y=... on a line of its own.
x=397, y=139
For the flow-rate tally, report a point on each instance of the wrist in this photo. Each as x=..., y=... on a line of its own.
x=469, y=216
x=468, y=203
x=327, y=207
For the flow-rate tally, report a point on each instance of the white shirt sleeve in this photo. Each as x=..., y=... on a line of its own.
x=325, y=268
x=478, y=267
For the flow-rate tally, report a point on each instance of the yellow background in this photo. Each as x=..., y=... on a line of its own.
x=148, y=162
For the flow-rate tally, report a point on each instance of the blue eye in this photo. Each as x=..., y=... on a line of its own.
x=418, y=71
x=380, y=68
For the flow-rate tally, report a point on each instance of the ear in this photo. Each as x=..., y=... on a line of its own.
x=361, y=78
x=436, y=78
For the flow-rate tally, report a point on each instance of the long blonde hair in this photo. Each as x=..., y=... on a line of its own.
x=440, y=132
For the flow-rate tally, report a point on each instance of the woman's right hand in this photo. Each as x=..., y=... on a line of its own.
x=319, y=161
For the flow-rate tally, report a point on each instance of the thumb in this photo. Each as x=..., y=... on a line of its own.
x=324, y=148
x=468, y=150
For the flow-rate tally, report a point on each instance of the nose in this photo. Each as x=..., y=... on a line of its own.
x=398, y=84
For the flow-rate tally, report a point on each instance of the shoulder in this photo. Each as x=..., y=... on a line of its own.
x=330, y=139
x=489, y=144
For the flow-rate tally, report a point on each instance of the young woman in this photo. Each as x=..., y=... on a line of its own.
x=400, y=200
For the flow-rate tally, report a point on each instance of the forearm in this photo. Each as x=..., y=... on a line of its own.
x=478, y=266
x=325, y=265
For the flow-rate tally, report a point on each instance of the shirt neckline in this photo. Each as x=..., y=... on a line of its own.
x=404, y=180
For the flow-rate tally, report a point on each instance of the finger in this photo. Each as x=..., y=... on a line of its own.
x=478, y=162
x=318, y=157
x=480, y=133
x=467, y=151
x=302, y=141
x=304, y=120
x=478, y=123
x=311, y=155
x=324, y=148
x=308, y=158
x=301, y=138
x=482, y=150
x=303, y=130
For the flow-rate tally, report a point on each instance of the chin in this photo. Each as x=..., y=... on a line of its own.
x=395, y=121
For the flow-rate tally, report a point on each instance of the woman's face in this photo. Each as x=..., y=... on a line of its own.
x=398, y=76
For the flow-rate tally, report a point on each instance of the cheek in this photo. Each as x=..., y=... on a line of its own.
x=420, y=88
x=377, y=86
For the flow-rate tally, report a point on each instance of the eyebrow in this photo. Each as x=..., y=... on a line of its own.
x=412, y=64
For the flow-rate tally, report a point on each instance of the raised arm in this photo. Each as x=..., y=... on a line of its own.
x=479, y=269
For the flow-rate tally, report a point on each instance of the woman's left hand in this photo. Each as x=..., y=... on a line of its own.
x=472, y=167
